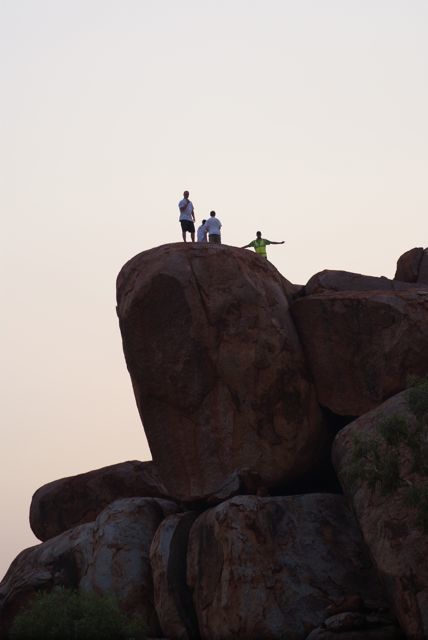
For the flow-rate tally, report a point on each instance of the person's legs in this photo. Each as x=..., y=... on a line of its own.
x=214, y=238
x=187, y=227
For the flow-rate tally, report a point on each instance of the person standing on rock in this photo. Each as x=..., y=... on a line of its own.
x=187, y=217
x=260, y=244
x=201, y=234
x=213, y=226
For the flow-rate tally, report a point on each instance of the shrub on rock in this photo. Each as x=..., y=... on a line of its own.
x=381, y=459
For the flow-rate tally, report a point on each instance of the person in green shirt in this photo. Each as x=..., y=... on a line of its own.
x=260, y=244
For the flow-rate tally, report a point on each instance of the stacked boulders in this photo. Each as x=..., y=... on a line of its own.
x=218, y=370
x=242, y=381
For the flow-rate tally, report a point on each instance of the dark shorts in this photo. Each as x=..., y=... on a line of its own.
x=214, y=237
x=187, y=225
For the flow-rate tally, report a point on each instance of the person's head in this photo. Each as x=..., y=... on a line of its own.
x=203, y=222
x=186, y=194
x=212, y=214
x=259, y=235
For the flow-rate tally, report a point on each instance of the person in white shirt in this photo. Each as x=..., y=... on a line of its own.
x=213, y=226
x=201, y=234
x=187, y=217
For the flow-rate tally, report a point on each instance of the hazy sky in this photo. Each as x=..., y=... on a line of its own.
x=305, y=119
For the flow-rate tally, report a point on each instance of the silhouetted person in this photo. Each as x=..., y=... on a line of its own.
x=213, y=226
x=201, y=234
x=187, y=217
x=260, y=244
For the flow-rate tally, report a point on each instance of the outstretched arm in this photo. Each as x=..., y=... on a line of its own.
x=245, y=246
x=272, y=242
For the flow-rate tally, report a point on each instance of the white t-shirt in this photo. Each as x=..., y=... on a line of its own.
x=202, y=233
x=213, y=226
x=186, y=214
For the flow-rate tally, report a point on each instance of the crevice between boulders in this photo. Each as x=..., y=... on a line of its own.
x=177, y=575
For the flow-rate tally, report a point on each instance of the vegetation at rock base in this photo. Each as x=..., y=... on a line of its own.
x=63, y=614
x=417, y=397
x=377, y=458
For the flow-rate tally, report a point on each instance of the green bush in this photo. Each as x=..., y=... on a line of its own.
x=418, y=497
x=417, y=398
x=376, y=459
x=394, y=429
x=63, y=614
x=380, y=470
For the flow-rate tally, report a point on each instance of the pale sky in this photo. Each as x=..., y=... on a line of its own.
x=305, y=119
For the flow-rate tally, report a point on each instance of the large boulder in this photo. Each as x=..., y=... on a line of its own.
x=408, y=265
x=217, y=368
x=60, y=561
x=109, y=556
x=271, y=567
x=381, y=460
x=362, y=346
x=120, y=563
x=68, y=502
x=329, y=280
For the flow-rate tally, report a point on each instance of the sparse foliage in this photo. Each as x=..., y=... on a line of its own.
x=376, y=458
x=63, y=614
x=417, y=397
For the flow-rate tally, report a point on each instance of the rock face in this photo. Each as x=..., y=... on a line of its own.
x=328, y=280
x=66, y=503
x=60, y=561
x=357, y=626
x=217, y=368
x=120, y=562
x=168, y=557
x=109, y=556
x=423, y=269
x=408, y=265
x=270, y=567
x=382, y=465
x=350, y=336
x=412, y=266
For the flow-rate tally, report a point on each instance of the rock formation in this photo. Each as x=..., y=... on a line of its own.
x=254, y=562
x=66, y=503
x=108, y=556
x=348, y=336
x=413, y=266
x=382, y=463
x=243, y=380
x=217, y=367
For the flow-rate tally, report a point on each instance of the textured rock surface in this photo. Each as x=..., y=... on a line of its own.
x=357, y=626
x=387, y=517
x=66, y=503
x=109, y=556
x=217, y=367
x=168, y=556
x=347, y=281
x=423, y=269
x=408, y=265
x=120, y=563
x=59, y=561
x=270, y=567
x=350, y=336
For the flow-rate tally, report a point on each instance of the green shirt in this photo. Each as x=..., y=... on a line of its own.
x=260, y=246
